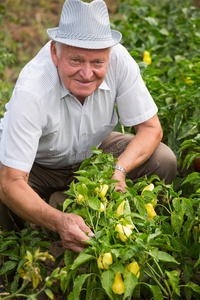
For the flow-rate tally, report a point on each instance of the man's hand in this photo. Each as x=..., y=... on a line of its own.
x=72, y=231
x=22, y=200
x=121, y=185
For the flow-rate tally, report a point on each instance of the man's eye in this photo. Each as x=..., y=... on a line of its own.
x=75, y=60
x=98, y=62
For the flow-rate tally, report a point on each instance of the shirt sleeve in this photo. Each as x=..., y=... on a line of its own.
x=22, y=131
x=134, y=102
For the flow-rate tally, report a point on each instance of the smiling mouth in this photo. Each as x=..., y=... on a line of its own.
x=84, y=82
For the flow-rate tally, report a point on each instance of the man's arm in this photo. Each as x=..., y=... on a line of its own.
x=16, y=194
x=147, y=138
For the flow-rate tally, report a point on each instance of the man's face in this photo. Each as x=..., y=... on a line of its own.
x=81, y=70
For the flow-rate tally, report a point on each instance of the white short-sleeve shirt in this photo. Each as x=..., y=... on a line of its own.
x=45, y=123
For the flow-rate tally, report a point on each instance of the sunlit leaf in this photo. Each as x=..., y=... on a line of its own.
x=174, y=278
x=107, y=280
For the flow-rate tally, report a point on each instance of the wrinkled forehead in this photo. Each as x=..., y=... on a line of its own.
x=82, y=52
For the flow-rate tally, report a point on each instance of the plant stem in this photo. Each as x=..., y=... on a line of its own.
x=98, y=221
x=156, y=280
x=92, y=224
x=17, y=293
x=164, y=280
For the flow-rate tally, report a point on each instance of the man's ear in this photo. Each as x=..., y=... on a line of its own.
x=54, y=55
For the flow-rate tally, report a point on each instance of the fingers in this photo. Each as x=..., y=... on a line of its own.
x=121, y=185
x=120, y=189
x=72, y=231
x=84, y=227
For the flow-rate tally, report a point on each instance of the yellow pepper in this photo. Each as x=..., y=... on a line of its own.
x=105, y=261
x=150, y=187
x=147, y=57
x=97, y=190
x=103, y=191
x=133, y=268
x=104, y=199
x=188, y=80
x=151, y=211
x=102, y=207
x=80, y=198
x=124, y=231
x=22, y=271
x=196, y=228
x=118, y=286
x=120, y=209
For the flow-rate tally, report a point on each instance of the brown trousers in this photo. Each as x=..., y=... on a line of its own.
x=45, y=181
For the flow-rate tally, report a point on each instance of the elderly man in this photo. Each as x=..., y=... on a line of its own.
x=64, y=103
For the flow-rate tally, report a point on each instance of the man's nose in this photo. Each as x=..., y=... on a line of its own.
x=86, y=71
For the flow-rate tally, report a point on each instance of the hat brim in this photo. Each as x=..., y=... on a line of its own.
x=87, y=44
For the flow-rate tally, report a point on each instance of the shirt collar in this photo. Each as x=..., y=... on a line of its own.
x=64, y=92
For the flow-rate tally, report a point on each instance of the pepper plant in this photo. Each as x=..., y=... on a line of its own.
x=134, y=228
x=172, y=77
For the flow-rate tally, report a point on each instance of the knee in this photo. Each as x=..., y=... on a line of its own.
x=167, y=163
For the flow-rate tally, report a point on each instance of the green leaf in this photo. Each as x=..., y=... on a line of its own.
x=164, y=31
x=65, y=280
x=172, y=71
x=107, y=281
x=192, y=177
x=71, y=296
x=5, y=245
x=187, y=130
x=142, y=65
x=163, y=256
x=153, y=235
x=82, y=189
x=130, y=283
x=66, y=203
x=152, y=21
x=187, y=208
x=177, y=122
x=156, y=291
x=176, y=204
x=79, y=281
x=188, y=160
x=84, y=173
x=177, y=221
x=188, y=225
x=195, y=287
x=82, y=179
x=94, y=203
x=49, y=293
x=139, y=203
x=8, y=266
x=82, y=258
x=174, y=281
x=96, y=151
x=198, y=262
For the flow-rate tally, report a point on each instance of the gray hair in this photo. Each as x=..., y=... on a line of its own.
x=58, y=48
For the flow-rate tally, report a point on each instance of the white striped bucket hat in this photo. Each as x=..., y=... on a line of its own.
x=85, y=25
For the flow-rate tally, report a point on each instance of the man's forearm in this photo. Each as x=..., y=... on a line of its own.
x=23, y=201
x=141, y=147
